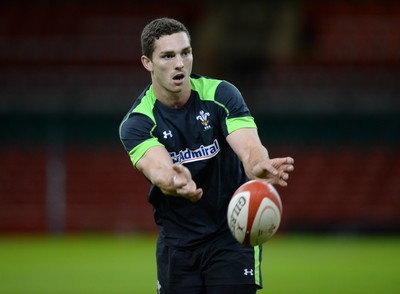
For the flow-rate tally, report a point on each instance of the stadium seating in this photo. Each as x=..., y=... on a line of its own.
x=70, y=63
x=330, y=189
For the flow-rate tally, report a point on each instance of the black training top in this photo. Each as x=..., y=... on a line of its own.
x=194, y=135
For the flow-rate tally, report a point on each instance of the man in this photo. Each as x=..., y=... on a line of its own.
x=195, y=140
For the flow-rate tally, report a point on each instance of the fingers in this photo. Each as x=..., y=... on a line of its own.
x=279, y=166
x=283, y=179
x=196, y=196
x=189, y=193
x=289, y=160
x=286, y=162
x=184, y=184
x=281, y=169
x=279, y=180
x=180, y=169
x=284, y=176
x=182, y=176
x=283, y=164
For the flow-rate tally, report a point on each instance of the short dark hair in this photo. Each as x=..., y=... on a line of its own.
x=156, y=29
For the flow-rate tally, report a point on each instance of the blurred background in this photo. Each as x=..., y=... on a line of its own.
x=322, y=80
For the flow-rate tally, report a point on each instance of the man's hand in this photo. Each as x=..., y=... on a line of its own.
x=275, y=170
x=172, y=179
x=184, y=184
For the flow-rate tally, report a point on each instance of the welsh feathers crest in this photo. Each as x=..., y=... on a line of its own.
x=203, y=117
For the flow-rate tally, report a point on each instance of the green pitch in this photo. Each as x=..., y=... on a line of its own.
x=126, y=264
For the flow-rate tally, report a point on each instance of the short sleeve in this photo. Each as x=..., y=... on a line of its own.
x=237, y=114
x=136, y=135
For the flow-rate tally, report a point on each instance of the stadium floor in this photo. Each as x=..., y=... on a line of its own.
x=293, y=263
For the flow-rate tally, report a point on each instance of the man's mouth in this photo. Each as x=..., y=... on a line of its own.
x=178, y=77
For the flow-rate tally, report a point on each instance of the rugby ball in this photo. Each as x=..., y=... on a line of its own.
x=254, y=213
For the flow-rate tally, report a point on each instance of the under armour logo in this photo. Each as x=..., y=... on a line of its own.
x=167, y=134
x=248, y=272
x=158, y=287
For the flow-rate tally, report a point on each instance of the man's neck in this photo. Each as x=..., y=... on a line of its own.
x=172, y=100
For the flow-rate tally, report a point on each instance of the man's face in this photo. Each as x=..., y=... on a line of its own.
x=171, y=63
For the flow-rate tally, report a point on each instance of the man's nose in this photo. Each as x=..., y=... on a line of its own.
x=179, y=62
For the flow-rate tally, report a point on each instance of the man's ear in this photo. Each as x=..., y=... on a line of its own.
x=147, y=63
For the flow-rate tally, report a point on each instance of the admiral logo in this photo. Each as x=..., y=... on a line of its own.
x=201, y=153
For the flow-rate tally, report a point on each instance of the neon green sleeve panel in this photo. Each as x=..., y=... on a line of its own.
x=205, y=87
x=136, y=153
x=257, y=265
x=146, y=106
x=236, y=123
